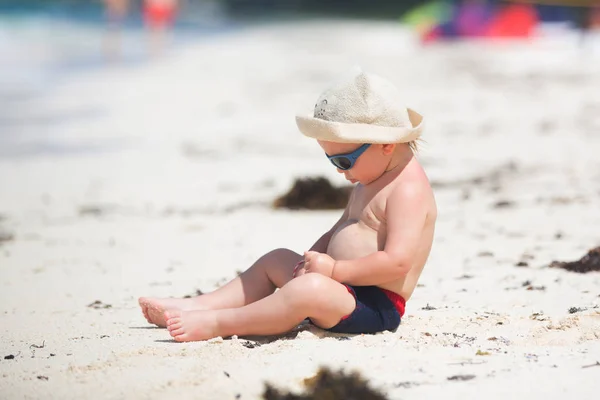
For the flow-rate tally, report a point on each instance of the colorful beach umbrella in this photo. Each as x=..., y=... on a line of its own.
x=424, y=17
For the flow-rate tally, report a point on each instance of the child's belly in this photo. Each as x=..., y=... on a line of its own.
x=353, y=240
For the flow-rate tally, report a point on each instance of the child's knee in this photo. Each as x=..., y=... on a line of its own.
x=282, y=258
x=324, y=300
x=281, y=252
x=311, y=288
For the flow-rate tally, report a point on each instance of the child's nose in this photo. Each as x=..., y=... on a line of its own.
x=341, y=171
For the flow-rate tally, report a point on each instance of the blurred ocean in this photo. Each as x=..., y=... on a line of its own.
x=44, y=46
x=39, y=47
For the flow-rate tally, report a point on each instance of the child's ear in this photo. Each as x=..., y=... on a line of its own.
x=388, y=149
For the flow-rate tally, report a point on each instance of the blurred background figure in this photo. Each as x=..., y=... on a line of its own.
x=115, y=11
x=587, y=19
x=159, y=16
x=595, y=17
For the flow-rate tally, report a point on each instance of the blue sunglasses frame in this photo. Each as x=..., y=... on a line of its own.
x=351, y=158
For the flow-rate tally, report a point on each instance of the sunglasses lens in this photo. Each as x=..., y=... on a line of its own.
x=342, y=162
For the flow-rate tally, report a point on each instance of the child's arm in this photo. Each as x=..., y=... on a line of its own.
x=321, y=244
x=405, y=213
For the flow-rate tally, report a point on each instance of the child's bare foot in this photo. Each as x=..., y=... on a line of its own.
x=154, y=308
x=188, y=326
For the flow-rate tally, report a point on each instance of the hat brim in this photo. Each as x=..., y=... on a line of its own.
x=360, y=133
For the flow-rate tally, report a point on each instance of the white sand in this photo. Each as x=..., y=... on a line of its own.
x=181, y=159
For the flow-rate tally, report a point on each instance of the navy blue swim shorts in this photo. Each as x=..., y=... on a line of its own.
x=376, y=310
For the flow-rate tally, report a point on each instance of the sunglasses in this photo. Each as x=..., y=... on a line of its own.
x=347, y=161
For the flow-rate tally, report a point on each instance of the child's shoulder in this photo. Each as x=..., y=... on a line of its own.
x=412, y=176
x=411, y=184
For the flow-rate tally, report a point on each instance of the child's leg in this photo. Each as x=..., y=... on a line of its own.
x=269, y=272
x=321, y=298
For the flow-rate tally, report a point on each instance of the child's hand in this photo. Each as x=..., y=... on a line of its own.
x=319, y=263
x=298, y=270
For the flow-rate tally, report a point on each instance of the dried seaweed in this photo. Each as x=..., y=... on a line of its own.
x=99, y=305
x=461, y=377
x=314, y=194
x=6, y=237
x=328, y=385
x=588, y=263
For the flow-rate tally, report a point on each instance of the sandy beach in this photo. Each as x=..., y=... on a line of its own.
x=158, y=179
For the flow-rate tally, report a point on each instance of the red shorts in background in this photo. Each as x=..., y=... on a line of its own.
x=159, y=15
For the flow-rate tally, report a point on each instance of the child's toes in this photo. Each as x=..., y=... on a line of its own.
x=173, y=321
x=176, y=332
x=170, y=314
x=176, y=324
x=181, y=338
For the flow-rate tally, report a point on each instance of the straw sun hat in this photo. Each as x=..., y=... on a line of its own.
x=361, y=108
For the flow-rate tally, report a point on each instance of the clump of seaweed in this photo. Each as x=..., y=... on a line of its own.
x=588, y=263
x=6, y=237
x=314, y=194
x=328, y=385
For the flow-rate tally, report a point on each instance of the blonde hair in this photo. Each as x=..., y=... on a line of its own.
x=414, y=145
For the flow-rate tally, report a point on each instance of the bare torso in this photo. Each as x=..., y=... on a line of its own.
x=364, y=232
